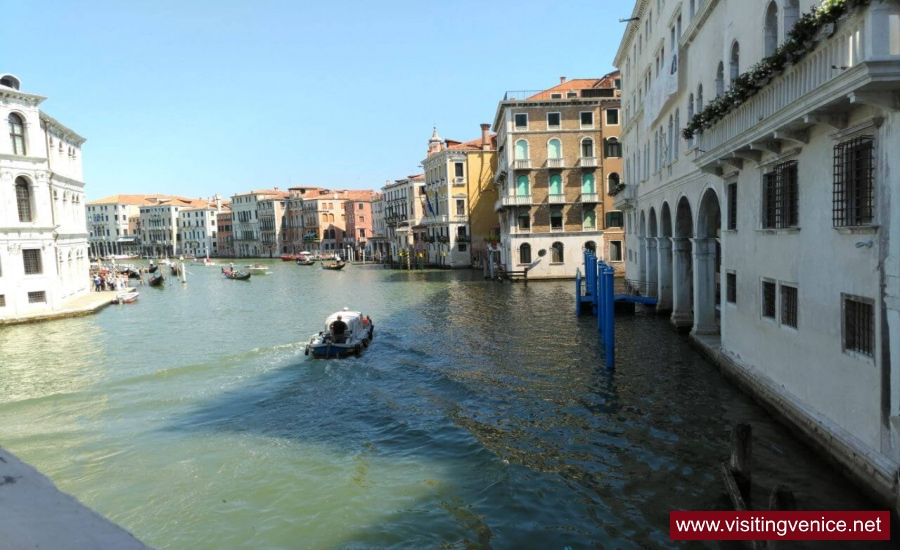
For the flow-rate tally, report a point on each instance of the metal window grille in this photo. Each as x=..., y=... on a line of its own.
x=39, y=297
x=768, y=305
x=859, y=326
x=32, y=260
x=23, y=201
x=731, y=287
x=732, y=206
x=782, y=196
x=789, y=306
x=854, y=182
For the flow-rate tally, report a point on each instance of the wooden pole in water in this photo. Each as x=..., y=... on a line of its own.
x=741, y=460
x=183, y=273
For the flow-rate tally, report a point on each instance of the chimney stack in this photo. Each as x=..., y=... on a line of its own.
x=562, y=80
x=485, y=137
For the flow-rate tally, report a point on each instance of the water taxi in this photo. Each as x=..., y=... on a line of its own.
x=346, y=333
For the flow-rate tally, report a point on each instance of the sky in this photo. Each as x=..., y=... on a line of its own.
x=204, y=97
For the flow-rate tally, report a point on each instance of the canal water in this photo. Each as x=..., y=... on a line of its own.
x=480, y=417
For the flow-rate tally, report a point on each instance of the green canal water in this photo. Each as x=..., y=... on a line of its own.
x=480, y=417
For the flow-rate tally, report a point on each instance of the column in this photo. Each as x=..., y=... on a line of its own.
x=682, y=314
x=704, y=252
x=664, y=274
x=642, y=259
x=652, y=273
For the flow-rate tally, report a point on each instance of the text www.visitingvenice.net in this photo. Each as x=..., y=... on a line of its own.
x=797, y=525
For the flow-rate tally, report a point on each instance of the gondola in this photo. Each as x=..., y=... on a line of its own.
x=157, y=280
x=236, y=275
x=334, y=265
x=152, y=269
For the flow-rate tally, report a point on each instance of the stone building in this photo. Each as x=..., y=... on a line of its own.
x=761, y=205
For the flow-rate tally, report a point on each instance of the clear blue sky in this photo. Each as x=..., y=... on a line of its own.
x=196, y=97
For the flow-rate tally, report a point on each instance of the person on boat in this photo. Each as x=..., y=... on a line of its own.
x=338, y=328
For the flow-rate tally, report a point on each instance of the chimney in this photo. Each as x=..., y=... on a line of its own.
x=562, y=80
x=485, y=137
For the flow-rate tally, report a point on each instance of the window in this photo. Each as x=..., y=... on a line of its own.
x=556, y=185
x=522, y=186
x=732, y=207
x=615, y=219
x=362, y=219
x=23, y=200
x=587, y=119
x=699, y=98
x=612, y=117
x=789, y=305
x=362, y=233
x=731, y=287
x=587, y=148
x=17, y=134
x=521, y=121
x=859, y=325
x=39, y=297
x=613, y=148
x=524, y=220
x=458, y=169
x=854, y=186
x=771, y=30
x=781, y=196
x=768, y=299
x=521, y=150
x=556, y=253
x=525, y=253
x=460, y=207
x=554, y=149
x=556, y=220
x=589, y=220
x=571, y=95
x=720, y=80
x=734, y=65
x=553, y=121
x=32, y=260
x=615, y=251
x=612, y=183
x=556, y=95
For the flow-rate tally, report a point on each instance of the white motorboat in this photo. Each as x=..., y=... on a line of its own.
x=346, y=333
x=257, y=269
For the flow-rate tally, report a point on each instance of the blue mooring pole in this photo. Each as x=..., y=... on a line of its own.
x=600, y=304
x=578, y=293
x=609, y=325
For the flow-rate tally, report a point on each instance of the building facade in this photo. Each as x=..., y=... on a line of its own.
x=246, y=230
x=112, y=226
x=43, y=231
x=224, y=236
x=271, y=222
x=404, y=210
x=198, y=229
x=761, y=209
x=359, y=214
x=553, y=156
x=458, y=178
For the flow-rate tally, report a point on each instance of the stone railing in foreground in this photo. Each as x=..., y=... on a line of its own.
x=35, y=514
x=857, y=65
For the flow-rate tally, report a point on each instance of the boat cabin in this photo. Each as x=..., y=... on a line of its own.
x=353, y=320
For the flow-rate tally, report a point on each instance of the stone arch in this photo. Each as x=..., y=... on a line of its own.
x=770, y=29
x=707, y=264
x=642, y=250
x=684, y=224
x=653, y=226
x=682, y=266
x=665, y=220
x=664, y=260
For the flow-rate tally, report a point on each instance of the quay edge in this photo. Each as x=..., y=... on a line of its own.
x=874, y=474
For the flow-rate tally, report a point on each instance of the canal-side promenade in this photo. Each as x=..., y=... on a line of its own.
x=84, y=304
x=37, y=515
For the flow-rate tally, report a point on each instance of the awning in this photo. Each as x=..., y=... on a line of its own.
x=132, y=239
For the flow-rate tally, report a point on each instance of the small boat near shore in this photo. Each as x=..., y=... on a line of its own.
x=346, y=333
x=126, y=297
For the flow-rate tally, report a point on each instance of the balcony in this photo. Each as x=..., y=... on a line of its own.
x=522, y=164
x=435, y=219
x=556, y=163
x=516, y=200
x=459, y=181
x=587, y=162
x=588, y=198
x=556, y=199
x=852, y=67
x=626, y=198
x=499, y=206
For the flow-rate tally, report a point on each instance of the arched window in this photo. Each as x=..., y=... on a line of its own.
x=613, y=148
x=587, y=148
x=522, y=186
x=612, y=183
x=589, y=219
x=555, y=184
x=556, y=220
x=554, y=149
x=325, y=218
x=17, y=134
x=735, y=63
x=669, y=145
x=23, y=200
x=771, y=30
x=521, y=150
x=699, y=99
x=720, y=80
x=524, y=219
x=791, y=15
x=676, y=137
x=525, y=253
x=587, y=183
x=556, y=253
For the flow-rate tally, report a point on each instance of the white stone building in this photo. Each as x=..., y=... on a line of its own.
x=43, y=232
x=404, y=211
x=771, y=232
x=198, y=229
x=271, y=220
x=113, y=225
x=246, y=230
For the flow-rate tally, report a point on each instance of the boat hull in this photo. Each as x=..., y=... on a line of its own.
x=321, y=346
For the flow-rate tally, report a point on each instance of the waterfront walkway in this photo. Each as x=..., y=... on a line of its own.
x=77, y=306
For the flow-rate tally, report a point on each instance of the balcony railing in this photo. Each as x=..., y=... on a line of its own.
x=522, y=164
x=459, y=181
x=626, y=198
x=587, y=162
x=589, y=198
x=516, y=200
x=557, y=199
x=556, y=163
x=852, y=63
x=436, y=219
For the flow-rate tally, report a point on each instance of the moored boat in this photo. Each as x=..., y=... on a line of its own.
x=346, y=333
x=289, y=257
x=157, y=279
x=126, y=297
